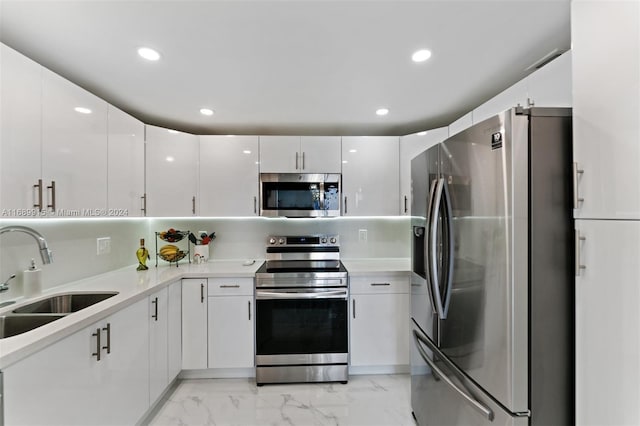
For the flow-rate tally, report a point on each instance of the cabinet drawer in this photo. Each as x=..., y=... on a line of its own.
x=379, y=283
x=230, y=286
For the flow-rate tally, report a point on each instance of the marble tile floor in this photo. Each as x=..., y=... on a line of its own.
x=366, y=400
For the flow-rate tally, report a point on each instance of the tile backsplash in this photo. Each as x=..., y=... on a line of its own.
x=74, y=246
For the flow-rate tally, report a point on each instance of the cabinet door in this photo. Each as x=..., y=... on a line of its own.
x=231, y=332
x=228, y=176
x=20, y=133
x=74, y=147
x=175, y=330
x=125, y=184
x=280, y=154
x=194, y=323
x=370, y=178
x=77, y=394
x=379, y=329
x=321, y=154
x=172, y=172
x=606, y=128
x=125, y=363
x=410, y=146
x=608, y=323
x=158, y=344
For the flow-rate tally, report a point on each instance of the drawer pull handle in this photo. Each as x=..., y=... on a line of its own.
x=108, y=330
x=98, y=346
x=380, y=284
x=229, y=286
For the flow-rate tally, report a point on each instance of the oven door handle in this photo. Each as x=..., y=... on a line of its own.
x=301, y=294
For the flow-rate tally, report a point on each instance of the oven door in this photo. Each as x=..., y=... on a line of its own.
x=301, y=326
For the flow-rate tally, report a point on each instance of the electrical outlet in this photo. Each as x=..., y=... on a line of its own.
x=103, y=245
x=362, y=235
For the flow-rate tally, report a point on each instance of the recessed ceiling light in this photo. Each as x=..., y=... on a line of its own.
x=206, y=111
x=382, y=111
x=421, y=55
x=148, y=54
x=82, y=110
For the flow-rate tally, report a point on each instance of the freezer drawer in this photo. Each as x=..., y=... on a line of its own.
x=449, y=397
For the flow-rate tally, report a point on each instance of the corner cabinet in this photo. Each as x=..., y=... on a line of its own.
x=171, y=172
x=194, y=323
x=230, y=325
x=606, y=117
x=370, y=175
x=228, y=176
x=296, y=154
x=379, y=323
x=410, y=146
x=97, y=376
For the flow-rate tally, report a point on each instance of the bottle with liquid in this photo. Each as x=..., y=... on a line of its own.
x=143, y=255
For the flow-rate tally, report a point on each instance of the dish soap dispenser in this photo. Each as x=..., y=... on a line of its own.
x=143, y=255
x=32, y=280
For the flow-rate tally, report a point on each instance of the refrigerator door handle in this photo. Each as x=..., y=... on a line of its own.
x=451, y=246
x=427, y=246
x=477, y=405
x=433, y=242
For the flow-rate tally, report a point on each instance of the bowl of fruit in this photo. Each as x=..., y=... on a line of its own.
x=171, y=253
x=172, y=235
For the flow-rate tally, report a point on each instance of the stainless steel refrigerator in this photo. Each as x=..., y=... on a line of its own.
x=492, y=283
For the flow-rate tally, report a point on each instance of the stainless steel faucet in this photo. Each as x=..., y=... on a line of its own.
x=45, y=253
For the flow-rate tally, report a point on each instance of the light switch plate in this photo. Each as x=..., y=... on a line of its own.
x=103, y=245
x=362, y=235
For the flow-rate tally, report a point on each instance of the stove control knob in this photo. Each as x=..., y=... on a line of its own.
x=324, y=240
x=281, y=241
x=272, y=240
x=332, y=240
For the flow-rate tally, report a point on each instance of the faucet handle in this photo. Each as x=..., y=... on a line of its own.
x=5, y=285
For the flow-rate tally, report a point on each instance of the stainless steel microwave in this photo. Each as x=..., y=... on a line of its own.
x=299, y=194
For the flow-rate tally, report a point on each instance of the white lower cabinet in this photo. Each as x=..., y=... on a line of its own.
x=67, y=384
x=608, y=323
x=174, y=330
x=230, y=331
x=158, y=344
x=379, y=323
x=194, y=323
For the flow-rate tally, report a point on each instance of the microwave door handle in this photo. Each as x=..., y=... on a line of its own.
x=477, y=405
x=451, y=247
x=427, y=246
x=433, y=241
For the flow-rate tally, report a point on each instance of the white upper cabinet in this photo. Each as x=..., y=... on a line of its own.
x=125, y=172
x=550, y=86
x=370, y=178
x=228, y=176
x=410, y=146
x=606, y=108
x=171, y=172
x=295, y=154
x=74, y=147
x=20, y=132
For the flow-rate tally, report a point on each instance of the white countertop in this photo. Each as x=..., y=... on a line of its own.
x=133, y=286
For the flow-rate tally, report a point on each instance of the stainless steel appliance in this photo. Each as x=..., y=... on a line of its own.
x=299, y=195
x=492, y=286
x=302, y=311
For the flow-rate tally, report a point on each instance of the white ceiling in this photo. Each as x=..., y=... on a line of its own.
x=290, y=67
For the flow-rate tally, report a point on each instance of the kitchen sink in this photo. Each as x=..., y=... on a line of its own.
x=11, y=325
x=64, y=303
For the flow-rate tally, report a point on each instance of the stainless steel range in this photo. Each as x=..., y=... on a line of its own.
x=302, y=297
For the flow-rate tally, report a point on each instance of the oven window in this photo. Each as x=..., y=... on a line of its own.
x=291, y=196
x=288, y=326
